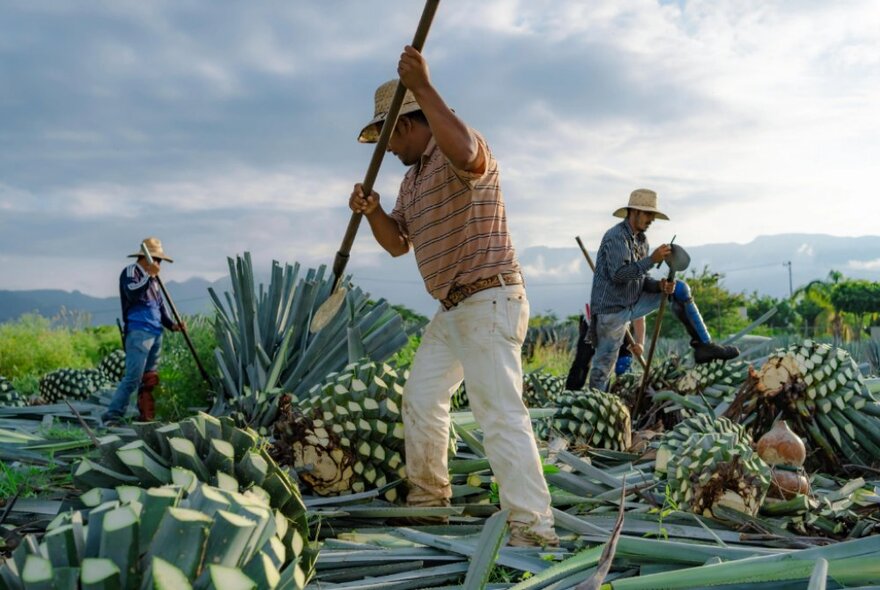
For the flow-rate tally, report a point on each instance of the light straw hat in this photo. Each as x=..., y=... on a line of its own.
x=643, y=200
x=384, y=95
x=154, y=246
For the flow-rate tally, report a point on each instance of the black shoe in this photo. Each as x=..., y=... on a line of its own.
x=110, y=421
x=705, y=352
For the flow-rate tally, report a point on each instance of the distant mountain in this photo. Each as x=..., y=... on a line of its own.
x=558, y=279
x=189, y=296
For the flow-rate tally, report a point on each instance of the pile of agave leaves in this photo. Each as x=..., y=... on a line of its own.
x=208, y=502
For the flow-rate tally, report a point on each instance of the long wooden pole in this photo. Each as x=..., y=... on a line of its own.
x=637, y=408
x=629, y=339
x=178, y=319
x=354, y=222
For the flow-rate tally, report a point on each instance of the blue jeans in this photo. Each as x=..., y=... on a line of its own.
x=610, y=330
x=141, y=355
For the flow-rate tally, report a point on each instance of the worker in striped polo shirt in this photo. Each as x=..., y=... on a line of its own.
x=450, y=211
x=623, y=291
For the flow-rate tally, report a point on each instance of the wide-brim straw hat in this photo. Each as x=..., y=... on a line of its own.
x=154, y=246
x=384, y=95
x=643, y=200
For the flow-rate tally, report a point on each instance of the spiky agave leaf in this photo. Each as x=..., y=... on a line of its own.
x=163, y=537
x=264, y=338
x=591, y=417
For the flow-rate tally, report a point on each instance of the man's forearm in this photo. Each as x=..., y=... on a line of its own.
x=387, y=232
x=638, y=326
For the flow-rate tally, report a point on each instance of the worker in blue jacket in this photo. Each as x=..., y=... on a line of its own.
x=145, y=316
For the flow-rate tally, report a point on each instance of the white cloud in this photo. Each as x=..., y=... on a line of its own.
x=864, y=264
x=541, y=270
x=290, y=192
x=747, y=117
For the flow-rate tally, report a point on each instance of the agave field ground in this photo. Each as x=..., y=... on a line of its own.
x=293, y=476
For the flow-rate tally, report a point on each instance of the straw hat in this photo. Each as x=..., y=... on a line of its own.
x=154, y=246
x=643, y=200
x=384, y=95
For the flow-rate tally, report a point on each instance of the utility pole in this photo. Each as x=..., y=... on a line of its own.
x=790, y=285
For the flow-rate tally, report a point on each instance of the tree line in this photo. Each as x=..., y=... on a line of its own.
x=838, y=307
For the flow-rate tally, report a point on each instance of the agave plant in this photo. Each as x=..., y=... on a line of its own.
x=72, y=384
x=709, y=462
x=819, y=389
x=591, y=417
x=164, y=537
x=201, y=448
x=112, y=366
x=266, y=347
x=347, y=436
x=8, y=395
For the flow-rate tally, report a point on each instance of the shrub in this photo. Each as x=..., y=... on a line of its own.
x=182, y=386
x=31, y=346
x=94, y=343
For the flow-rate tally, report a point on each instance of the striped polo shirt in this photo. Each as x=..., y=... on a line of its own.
x=622, y=266
x=454, y=220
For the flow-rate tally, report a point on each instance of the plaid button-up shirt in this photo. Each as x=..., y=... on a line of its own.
x=622, y=266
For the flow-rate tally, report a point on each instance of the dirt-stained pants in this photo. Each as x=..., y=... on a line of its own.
x=480, y=341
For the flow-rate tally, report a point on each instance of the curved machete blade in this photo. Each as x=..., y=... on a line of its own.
x=678, y=260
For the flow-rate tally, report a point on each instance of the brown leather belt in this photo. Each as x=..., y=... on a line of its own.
x=459, y=293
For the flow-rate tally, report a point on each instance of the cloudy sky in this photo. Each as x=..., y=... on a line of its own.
x=229, y=126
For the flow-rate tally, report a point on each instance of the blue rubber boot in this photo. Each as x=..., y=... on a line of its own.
x=689, y=315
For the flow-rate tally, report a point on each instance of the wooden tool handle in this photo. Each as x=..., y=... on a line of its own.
x=354, y=222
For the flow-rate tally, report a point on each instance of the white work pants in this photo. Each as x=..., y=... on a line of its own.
x=480, y=341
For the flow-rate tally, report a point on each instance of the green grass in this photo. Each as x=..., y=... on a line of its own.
x=552, y=358
x=34, y=345
x=27, y=385
x=63, y=432
x=27, y=481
